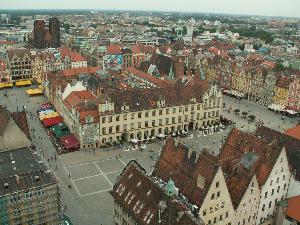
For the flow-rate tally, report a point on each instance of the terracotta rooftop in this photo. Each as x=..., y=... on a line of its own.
x=6, y=42
x=293, y=132
x=293, y=209
x=141, y=196
x=292, y=146
x=148, y=77
x=76, y=71
x=75, y=98
x=183, y=166
x=240, y=145
x=283, y=82
x=76, y=57
x=114, y=49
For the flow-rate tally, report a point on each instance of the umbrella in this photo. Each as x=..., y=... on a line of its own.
x=134, y=140
x=160, y=135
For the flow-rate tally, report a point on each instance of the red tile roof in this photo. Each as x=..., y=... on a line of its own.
x=141, y=197
x=76, y=71
x=183, y=167
x=64, y=51
x=293, y=132
x=6, y=42
x=83, y=113
x=77, y=97
x=293, y=209
x=114, y=49
x=283, y=82
x=292, y=146
x=148, y=77
x=238, y=144
x=76, y=57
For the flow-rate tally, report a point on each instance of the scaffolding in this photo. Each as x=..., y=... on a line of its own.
x=3, y=211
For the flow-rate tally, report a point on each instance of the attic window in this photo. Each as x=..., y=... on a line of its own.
x=130, y=175
x=139, y=184
x=201, y=181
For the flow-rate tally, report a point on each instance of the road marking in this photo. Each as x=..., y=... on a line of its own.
x=73, y=183
x=97, y=192
x=95, y=164
x=117, y=171
x=122, y=162
x=82, y=178
x=81, y=164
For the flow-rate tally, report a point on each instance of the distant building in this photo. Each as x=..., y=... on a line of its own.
x=39, y=33
x=46, y=38
x=54, y=28
x=19, y=63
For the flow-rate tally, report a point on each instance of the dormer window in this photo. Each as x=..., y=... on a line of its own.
x=89, y=119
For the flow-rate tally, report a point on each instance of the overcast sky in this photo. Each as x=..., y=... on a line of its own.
x=252, y=7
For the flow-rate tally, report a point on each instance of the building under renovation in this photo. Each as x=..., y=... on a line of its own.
x=29, y=192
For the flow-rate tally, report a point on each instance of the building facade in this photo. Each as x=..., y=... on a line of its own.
x=124, y=117
x=19, y=64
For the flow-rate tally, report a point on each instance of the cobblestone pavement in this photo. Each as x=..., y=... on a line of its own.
x=92, y=174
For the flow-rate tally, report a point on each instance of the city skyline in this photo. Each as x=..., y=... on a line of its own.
x=247, y=7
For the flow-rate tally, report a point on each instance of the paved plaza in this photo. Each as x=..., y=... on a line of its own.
x=86, y=176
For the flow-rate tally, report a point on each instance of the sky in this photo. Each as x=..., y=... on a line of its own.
x=249, y=7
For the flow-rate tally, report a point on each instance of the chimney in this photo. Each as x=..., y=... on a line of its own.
x=6, y=185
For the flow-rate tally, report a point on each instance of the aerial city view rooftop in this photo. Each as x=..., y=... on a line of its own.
x=149, y=112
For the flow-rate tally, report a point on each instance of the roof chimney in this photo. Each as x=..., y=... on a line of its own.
x=6, y=185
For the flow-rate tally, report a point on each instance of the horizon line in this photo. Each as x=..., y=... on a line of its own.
x=145, y=10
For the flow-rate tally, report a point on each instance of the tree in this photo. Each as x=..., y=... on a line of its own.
x=278, y=67
x=251, y=118
x=244, y=113
x=237, y=111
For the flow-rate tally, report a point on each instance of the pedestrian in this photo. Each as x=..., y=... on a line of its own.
x=69, y=175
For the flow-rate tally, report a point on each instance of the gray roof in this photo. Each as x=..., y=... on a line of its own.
x=22, y=169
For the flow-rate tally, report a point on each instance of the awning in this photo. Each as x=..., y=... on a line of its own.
x=47, y=116
x=46, y=112
x=70, y=142
x=52, y=121
x=60, y=130
x=23, y=83
x=37, y=91
x=276, y=107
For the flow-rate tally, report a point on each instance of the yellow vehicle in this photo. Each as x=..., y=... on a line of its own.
x=23, y=83
x=34, y=92
x=6, y=85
